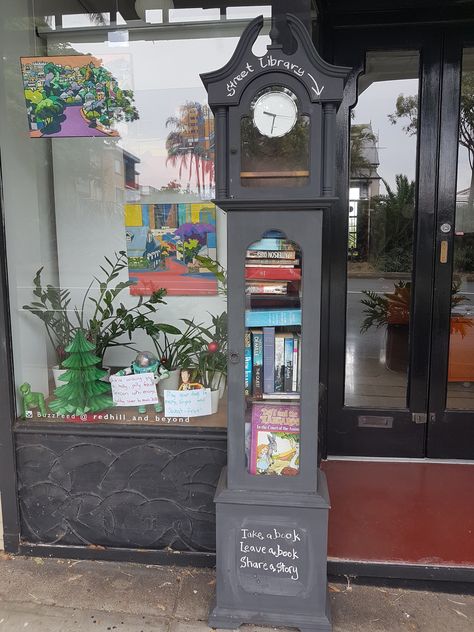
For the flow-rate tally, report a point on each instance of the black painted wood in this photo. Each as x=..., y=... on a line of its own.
x=126, y=492
x=450, y=432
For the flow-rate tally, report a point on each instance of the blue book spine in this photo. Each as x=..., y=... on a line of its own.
x=268, y=359
x=248, y=362
x=272, y=317
x=270, y=243
x=289, y=348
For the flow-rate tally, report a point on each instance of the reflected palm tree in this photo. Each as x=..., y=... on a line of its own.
x=190, y=144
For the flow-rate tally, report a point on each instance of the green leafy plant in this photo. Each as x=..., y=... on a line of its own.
x=174, y=347
x=208, y=356
x=108, y=324
x=393, y=308
x=51, y=307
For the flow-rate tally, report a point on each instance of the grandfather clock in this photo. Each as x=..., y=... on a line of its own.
x=275, y=120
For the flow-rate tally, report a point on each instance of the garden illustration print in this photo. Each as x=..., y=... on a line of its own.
x=74, y=95
x=163, y=243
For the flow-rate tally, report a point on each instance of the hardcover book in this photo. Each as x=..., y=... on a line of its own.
x=271, y=254
x=257, y=371
x=276, y=274
x=274, y=447
x=272, y=317
x=248, y=362
x=268, y=359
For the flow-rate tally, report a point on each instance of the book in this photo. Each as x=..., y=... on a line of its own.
x=272, y=273
x=257, y=369
x=268, y=359
x=248, y=362
x=279, y=379
x=271, y=254
x=266, y=301
x=272, y=243
x=274, y=441
x=288, y=370
x=266, y=287
x=272, y=263
x=272, y=317
x=282, y=395
x=296, y=348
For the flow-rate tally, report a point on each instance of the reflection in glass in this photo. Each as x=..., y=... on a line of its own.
x=273, y=355
x=380, y=231
x=275, y=141
x=460, y=392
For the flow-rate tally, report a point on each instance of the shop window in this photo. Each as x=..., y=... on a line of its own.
x=116, y=255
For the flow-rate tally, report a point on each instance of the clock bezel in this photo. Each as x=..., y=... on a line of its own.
x=265, y=94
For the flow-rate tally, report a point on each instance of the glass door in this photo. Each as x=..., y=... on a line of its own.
x=401, y=377
x=381, y=249
x=451, y=420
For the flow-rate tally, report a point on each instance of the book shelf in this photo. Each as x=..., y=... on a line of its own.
x=272, y=348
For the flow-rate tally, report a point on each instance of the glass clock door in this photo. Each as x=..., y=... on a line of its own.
x=273, y=344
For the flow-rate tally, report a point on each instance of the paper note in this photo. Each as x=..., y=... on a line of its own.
x=192, y=403
x=134, y=390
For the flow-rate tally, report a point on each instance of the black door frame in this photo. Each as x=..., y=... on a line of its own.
x=450, y=432
x=406, y=438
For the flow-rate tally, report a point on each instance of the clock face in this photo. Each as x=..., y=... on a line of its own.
x=275, y=114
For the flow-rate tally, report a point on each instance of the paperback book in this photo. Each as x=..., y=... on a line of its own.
x=275, y=438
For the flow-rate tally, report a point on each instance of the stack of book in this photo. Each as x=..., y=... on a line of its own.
x=273, y=320
x=273, y=274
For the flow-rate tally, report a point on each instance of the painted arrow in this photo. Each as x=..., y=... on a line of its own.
x=316, y=89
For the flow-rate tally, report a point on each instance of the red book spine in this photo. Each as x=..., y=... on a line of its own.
x=273, y=273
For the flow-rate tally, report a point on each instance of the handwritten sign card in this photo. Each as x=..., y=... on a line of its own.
x=192, y=403
x=134, y=390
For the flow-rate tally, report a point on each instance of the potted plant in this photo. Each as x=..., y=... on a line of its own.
x=51, y=307
x=108, y=323
x=209, y=355
x=392, y=310
x=174, y=348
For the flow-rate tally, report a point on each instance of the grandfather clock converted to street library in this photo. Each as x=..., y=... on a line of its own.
x=275, y=120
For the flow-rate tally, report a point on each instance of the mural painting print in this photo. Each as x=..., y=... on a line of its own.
x=164, y=242
x=77, y=95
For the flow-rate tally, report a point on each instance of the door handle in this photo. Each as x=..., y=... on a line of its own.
x=443, y=251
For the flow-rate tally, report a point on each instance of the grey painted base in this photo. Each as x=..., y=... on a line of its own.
x=229, y=619
x=272, y=558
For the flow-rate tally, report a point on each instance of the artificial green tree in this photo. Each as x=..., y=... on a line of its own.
x=84, y=390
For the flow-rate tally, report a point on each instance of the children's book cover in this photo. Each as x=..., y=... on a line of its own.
x=275, y=439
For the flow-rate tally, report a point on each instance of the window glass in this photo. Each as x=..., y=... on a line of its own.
x=461, y=344
x=380, y=230
x=116, y=255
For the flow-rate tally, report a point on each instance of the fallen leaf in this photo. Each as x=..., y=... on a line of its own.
x=158, y=605
x=164, y=584
x=333, y=588
x=38, y=560
x=5, y=556
x=74, y=577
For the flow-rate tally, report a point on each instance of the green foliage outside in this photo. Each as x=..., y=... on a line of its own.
x=392, y=226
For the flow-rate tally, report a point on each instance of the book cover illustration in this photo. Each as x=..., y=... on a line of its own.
x=275, y=438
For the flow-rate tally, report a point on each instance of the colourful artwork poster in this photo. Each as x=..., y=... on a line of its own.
x=163, y=241
x=74, y=96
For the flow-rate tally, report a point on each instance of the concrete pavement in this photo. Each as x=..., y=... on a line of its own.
x=44, y=595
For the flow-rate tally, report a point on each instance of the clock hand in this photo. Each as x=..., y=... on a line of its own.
x=269, y=113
